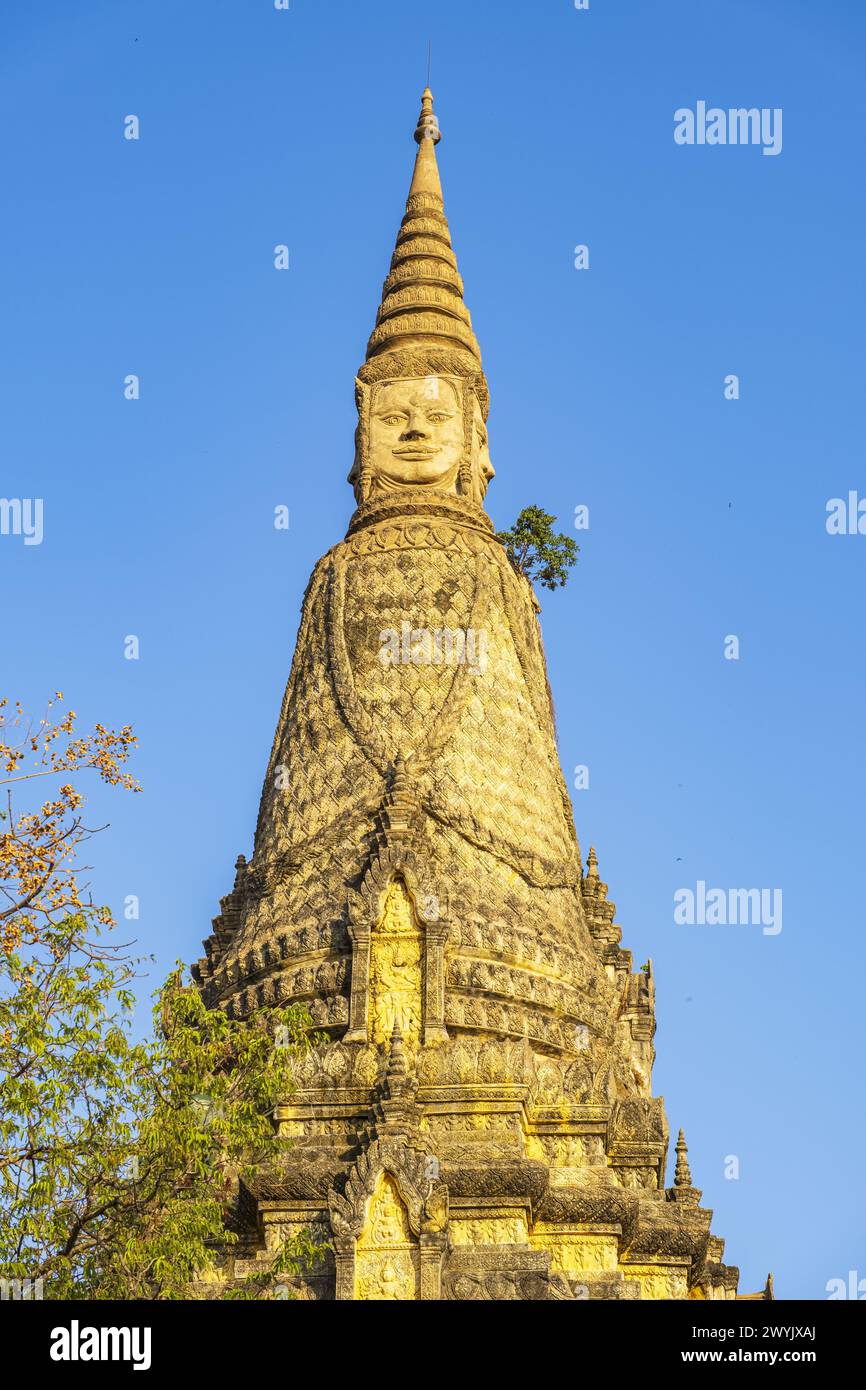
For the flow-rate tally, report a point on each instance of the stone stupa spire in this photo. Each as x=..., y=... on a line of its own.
x=422, y=297
x=423, y=335
x=683, y=1174
x=476, y=1120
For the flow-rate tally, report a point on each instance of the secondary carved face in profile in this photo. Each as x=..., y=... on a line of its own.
x=416, y=433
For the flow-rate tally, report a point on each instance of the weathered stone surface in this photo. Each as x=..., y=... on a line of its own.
x=480, y=1123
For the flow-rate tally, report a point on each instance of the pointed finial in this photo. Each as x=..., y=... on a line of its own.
x=400, y=776
x=683, y=1174
x=397, y=1061
x=592, y=863
x=428, y=126
x=422, y=312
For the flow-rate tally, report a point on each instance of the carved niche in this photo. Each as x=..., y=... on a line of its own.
x=387, y=1261
x=390, y=1226
x=398, y=935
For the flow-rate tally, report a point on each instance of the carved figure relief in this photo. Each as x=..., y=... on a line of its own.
x=386, y=1255
x=396, y=969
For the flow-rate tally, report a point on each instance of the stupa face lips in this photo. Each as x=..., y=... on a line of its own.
x=480, y=1122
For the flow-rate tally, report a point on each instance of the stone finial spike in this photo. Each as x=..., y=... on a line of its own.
x=425, y=178
x=683, y=1174
x=397, y=1061
x=592, y=863
x=428, y=126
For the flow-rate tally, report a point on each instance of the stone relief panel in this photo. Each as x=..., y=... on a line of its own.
x=387, y=1258
x=490, y=1230
x=396, y=970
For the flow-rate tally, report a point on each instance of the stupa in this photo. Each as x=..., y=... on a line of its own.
x=480, y=1122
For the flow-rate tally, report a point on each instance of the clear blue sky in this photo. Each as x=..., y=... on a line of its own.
x=155, y=257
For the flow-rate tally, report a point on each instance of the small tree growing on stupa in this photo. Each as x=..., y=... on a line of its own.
x=536, y=551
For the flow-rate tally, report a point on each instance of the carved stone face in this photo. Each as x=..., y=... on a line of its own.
x=416, y=436
x=482, y=468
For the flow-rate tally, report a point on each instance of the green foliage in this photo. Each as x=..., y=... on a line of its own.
x=536, y=551
x=119, y=1160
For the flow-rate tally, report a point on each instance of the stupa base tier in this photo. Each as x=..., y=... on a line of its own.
x=475, y=1193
